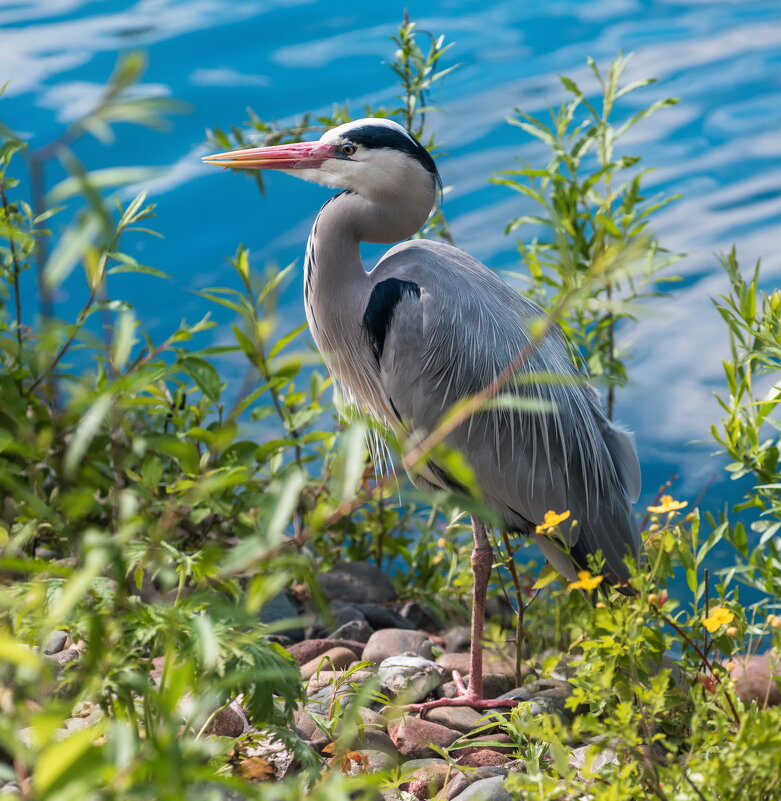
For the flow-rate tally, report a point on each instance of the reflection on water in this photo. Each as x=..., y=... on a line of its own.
x=719, y=148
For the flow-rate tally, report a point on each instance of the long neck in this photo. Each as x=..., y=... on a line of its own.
x=334, y=276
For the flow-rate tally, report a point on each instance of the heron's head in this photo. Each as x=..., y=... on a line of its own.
x=374, y=157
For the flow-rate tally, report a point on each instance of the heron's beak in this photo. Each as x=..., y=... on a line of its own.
x=296, y=156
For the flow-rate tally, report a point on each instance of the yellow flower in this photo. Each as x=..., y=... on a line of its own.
x=718, y=617
x=668, y=504
x=552, y=519
x=586, y=581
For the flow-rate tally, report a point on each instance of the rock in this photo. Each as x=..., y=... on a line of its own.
x=545, y=695
x=357, y=582
x=156, y=673
x=754, y=678
x=340, y=613
x=456, y=661
x=412, y=736
x=327, y=678
x=393, y=642
x=419, y=616
x=308, y=649
x=282, y=607
x=263, y=744
x=332, y=658
x=409, y=678
x=456, y=785
x=483, y=757
x=499, y=742
x=398, y=795
x=380, y=759
x=229, y=721
x=460, y=718
x=428, y=777
x=64, y=657
x=383, y=617
x=490, y=789
x=372, y=719
x=375, y=740
x=457, y=638
x=491, y=665
x=322, y=701
x=55, y=642
x=355, y=630
x=494, y=686
x=599, y=757
x=279, y=639
x=305, y=727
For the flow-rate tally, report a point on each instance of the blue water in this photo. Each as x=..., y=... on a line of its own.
x=719, y=148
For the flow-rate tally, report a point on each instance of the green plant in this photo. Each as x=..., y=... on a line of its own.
x=589, y=200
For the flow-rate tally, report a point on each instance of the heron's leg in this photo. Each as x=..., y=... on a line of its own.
x=482, y=558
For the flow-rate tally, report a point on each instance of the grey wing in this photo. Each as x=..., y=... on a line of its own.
x=450, y=327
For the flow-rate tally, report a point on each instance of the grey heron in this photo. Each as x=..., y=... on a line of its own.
x=430, y=326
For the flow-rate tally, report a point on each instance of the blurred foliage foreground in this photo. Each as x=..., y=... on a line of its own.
x=152, y=509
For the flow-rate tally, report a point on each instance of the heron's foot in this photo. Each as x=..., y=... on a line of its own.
x=465, y=697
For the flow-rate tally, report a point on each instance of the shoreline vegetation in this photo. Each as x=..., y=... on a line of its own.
x=190, y=612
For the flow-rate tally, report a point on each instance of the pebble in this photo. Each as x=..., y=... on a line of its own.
x=427, y=778
x=309, y=649
x=322, y=701
x=327, y=678
x=338, y=657
x=341, y=613
x=498, y=666
x=229, y=721
x=64, y=657
x=494, y=686
x=282, y=607
x=380, y=759
x=420, y=616
x=305, y=727
x=398, y=795
x=483, y=757
x=357, y=582
x=383, y=617
x=355, y=630
x=392, y=642
x=460, y=718
x=490, y=789
x=55, y=642
x=545, y=695
x=412, y=736
x=753, y=676
x=599, y=757
x=372, y=719
x=456, y=638
x=263, y=744
x=410, y=678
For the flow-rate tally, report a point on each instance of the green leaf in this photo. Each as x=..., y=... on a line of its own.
x=204, y=375
x=63, y=762
x=86, y=430
x=70, y=249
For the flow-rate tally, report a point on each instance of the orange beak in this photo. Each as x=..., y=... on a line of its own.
x=296, y=156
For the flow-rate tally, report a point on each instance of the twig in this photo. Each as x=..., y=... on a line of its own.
x=667, y=484
x=16, y=271
x=520, y=631
x=76, y=328
x=705, y=661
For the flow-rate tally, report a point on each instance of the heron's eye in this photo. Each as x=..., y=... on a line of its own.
x=348, y=150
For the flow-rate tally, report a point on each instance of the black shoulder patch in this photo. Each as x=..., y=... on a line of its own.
x=380, y=309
